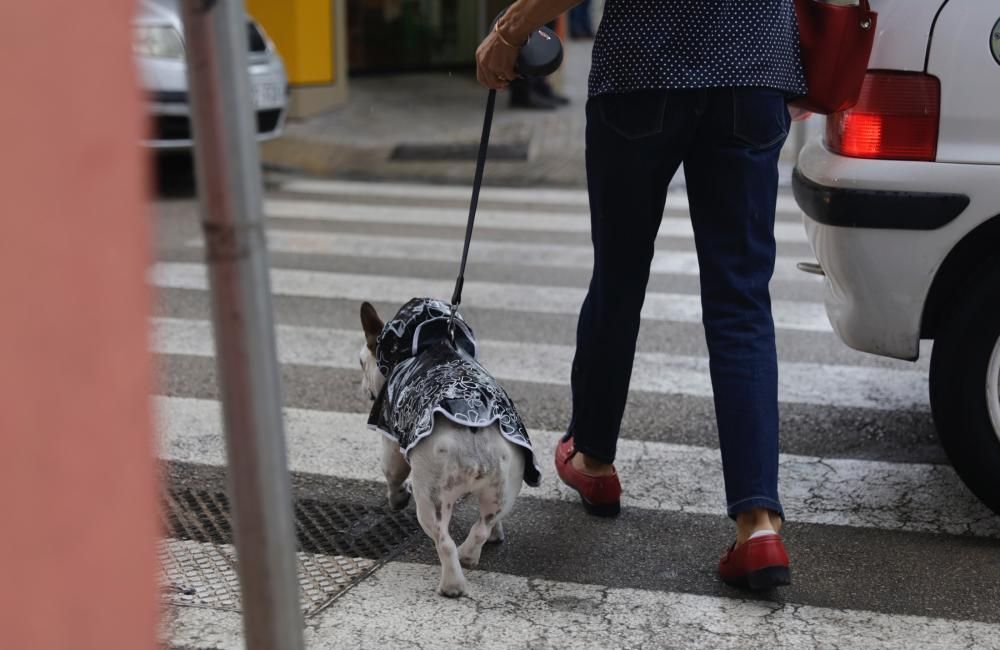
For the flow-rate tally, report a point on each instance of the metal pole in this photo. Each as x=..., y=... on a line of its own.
x=229, y=187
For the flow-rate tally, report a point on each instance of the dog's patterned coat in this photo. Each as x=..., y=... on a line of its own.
x=427, y=376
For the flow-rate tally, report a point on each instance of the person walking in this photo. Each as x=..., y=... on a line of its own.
x=703, y=84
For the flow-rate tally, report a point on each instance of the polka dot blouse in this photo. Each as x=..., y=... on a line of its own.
x=643, y=44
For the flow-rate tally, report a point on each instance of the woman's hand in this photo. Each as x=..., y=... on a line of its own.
x=798, y=114
x=497, y=53
x=495, y=61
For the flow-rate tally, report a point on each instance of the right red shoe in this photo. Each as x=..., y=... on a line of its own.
x=757, y=564
x=601, y=495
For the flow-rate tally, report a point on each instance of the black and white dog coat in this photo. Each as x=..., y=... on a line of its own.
x=427, y=375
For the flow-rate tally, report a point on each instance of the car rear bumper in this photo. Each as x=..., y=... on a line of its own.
x=849, y=207
x=170, y=125
x=880, y=230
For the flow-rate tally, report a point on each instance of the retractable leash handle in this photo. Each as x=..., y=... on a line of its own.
x=540, y=56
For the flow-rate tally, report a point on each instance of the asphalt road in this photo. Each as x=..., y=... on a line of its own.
x=888, y=547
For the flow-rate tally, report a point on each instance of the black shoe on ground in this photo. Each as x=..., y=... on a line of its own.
x=532, y=100
x=542, y=87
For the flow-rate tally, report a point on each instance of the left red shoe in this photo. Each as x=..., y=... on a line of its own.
x=757, y=564
x=601, y=495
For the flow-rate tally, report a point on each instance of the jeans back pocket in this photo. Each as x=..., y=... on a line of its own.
x=633, y=115
x=760, y=117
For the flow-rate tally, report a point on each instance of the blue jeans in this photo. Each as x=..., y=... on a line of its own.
x=728, y=140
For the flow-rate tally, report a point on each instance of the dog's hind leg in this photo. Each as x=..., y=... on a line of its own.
x=495, y=501
x=396, y=469
x=434, y=517
x=472, y=547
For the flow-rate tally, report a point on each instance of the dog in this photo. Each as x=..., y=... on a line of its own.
x=447, y=425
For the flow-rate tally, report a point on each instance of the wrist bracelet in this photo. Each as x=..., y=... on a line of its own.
x=496, y=28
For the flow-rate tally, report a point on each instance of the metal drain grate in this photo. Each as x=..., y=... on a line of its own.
x=320, y=526
x=459, y=151
x=339, y=543
x=196, y=574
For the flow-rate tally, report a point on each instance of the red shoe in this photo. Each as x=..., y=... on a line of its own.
x=601, y=495
x=759, y=563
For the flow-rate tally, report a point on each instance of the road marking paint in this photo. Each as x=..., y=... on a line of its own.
x=568, y=197
x=675, y=307
x=786, y=232
x=803, y=383
x=661, y=476
x=665, y=262
x=531, y=612
x=528, y=612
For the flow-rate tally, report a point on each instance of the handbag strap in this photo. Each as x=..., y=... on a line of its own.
x=866, y=14
x=484, y=140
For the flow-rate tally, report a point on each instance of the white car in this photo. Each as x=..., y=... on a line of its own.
x=902, y=208
x=158, y=44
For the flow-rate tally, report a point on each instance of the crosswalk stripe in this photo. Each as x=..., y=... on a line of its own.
x=526, y=612
x=513, y=611
x=787, y=232
x=568, y=197
x=660, y=476
x=676, y=307
x=510, y=253
x=803, y=383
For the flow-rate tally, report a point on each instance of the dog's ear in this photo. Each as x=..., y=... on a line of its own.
x=371, y=323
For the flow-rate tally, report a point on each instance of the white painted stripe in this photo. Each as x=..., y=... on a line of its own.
x=398, y=607
x=519, y=195
x=442, y=192
x=787, y=232
x=676, y=307
x=659, y=476
x=804, y=383
x=665, y=262
x=509, y=611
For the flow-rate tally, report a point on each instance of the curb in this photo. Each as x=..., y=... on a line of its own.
x=296, y=156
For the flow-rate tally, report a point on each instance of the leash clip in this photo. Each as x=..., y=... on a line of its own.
x=456, y=299
x=451, y=324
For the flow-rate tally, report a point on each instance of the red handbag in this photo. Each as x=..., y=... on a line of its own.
x=836, y=43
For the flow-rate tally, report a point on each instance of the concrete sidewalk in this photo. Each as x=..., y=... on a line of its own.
x=441, y=109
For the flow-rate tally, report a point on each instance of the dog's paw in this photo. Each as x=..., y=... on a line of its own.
x=452, y=590
x=399, y=500
x=468, y=562
x=497, y=535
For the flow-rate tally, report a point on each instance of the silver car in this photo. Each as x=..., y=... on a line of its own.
x=159, y=51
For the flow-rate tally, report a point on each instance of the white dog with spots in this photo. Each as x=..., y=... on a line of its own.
x=453, y=459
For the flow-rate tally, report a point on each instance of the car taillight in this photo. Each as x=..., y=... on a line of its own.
x=896, y=118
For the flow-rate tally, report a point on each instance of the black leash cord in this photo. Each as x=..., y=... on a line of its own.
x=484, y=141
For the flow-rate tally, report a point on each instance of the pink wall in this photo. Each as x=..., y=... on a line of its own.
x=77, y=493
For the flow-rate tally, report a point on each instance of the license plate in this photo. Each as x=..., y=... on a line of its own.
x=268, y=95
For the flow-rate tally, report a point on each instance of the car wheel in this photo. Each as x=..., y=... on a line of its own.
x=965, y=388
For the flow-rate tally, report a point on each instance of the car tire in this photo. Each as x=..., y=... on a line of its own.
x=965, y=361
